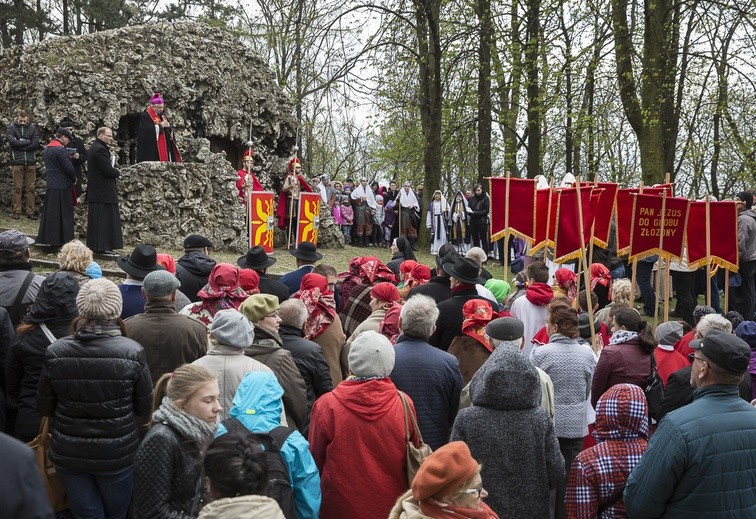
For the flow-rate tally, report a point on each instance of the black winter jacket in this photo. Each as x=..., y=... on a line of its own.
x=23, y=141
x=94, y=384
x=274, y=288
x=101, y=175
x=167, y=474
x=59, y=170
x=25, y=361
x=479, y=207
x=308, y=356
x=450, y=318
x=193, y=269
x=437, y=288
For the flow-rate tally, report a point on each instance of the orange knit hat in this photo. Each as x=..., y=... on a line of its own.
x=444, y=471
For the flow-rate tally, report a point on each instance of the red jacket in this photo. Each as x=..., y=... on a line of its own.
x=683, y=345
x=618, y=364
x=669, y=361
x=357, y=441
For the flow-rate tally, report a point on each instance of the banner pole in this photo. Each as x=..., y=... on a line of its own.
x=634, y=277
x=291, y=211
x=727, y=290
x=506, y=222
x=586, y=272
x=548, y=221
x=708, y=251
x=658, y=272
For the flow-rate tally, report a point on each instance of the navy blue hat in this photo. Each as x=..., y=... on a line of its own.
x=747, y=331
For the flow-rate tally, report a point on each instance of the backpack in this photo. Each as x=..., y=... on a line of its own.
x=279, y=484
x=654, y=391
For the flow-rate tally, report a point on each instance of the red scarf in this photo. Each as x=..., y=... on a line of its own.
x=600, y=275
x=438, y=510
x=540, y=294
x=567, y=280
x=478, y=313
x=162, y=142
x=222, y=290
x=320, y=304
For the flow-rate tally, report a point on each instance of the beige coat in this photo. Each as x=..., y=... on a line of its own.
x=242, y=507
x=331, y=342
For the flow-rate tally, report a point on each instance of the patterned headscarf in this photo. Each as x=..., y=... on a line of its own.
x=222, y=290
x=390, y=324
x=567, y=281
x=478, y=313
x=320, y=304
x=372, y=271
x=600, y=275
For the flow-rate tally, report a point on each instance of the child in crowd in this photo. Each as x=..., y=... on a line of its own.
x=347, y=218
x=378, y=217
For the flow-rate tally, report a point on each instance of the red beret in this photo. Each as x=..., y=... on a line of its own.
x=444, y=471
x=385, y=291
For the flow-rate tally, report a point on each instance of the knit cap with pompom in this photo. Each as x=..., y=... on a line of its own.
x=99, y=300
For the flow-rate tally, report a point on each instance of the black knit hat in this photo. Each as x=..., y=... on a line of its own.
x=746, y=197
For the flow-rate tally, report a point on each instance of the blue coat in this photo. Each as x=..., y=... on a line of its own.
x=293, y=279
x=257, y=404
x=133, y=300
x=59, y=170
x=700, y=463
x=432, y=380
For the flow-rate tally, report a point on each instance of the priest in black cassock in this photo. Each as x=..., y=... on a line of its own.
x=103, y=220
x=155, y=140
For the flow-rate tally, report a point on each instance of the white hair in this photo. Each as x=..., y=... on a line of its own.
x=293, y=312
x=515, y=343
x=419, y=315
x=713, y=322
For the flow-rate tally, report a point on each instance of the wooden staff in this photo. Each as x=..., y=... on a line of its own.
x=291, y=213
x=506, y=221
x=593, y=227
x=247, y=201
x=708, y=252
x=658, y=272
x=727, y=290
x=548, y=221
x=634, y=277
x=586, y=272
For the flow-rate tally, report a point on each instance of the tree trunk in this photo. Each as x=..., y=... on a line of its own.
x=485, y=45
x=509, y=94
x=532, y=48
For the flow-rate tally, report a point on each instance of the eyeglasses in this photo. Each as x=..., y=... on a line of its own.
x=700, y=359
x=477, y=490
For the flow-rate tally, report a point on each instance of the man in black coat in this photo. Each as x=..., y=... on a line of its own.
x=308, y=356
x=257, y=260
x=464, y=277
x=438, y=287
x=103, y=219
x=79, y=158
x=479, y=204
x=193, y=268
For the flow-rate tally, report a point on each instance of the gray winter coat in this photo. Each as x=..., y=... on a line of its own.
x=747, y=235
x=511, y=435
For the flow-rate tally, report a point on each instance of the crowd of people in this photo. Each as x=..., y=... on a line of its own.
x=198, y=388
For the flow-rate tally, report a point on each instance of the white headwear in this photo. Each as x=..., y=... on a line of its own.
x=359, y=191
x=322, y=187
x=408, y=199
x=542, y=183
x=444, y=205
x=568, y=180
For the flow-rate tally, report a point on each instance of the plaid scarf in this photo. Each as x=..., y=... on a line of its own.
x=356, y=309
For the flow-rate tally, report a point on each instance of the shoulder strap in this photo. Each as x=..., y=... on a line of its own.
x=50, y=337
x=408, y=413
x=279, y=435
x=15, y=309
x=234, y=425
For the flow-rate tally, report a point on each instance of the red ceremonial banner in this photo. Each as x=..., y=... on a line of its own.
x=568, y=243
x=545, y=219
x=723, y=232
x=624, y=212
x=261, y=219
x=603, y=210
x=646, y=226
x=521, y=193
x=308, y=218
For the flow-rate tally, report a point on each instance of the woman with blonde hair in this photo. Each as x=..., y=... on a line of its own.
x=74, y=257
x=168, y=477
x=621, y=296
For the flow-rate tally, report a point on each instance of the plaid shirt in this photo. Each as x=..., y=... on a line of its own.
x=599, y=474
x=356, y=308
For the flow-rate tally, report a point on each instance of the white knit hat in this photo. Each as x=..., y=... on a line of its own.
x=99, y=300
x=371, y=355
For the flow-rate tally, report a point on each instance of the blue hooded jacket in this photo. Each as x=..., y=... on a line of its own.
x=257, y=404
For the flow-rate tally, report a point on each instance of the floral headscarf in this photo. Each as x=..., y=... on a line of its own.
x=390, y=324
x=320, y=304
x=567, y=281
x=372, y=271
x=222, y=290
x=600, y=275
x=478, y=313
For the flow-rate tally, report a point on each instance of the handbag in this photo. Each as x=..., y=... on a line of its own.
x=654, y=390
x=56, y=492
x=415, y=455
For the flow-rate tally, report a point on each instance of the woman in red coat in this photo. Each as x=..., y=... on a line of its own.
x=357, y=436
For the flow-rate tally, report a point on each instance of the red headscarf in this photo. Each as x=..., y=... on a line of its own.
x=222, y=290
x=167, y=261
x=320, y=304
x=419, y=275
x=385, y=292
x=406, y=267
x=249, y=280
x=372, y=271
x=390, y=324
x=567, y=280
x=600, y=275
x=478, y=313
